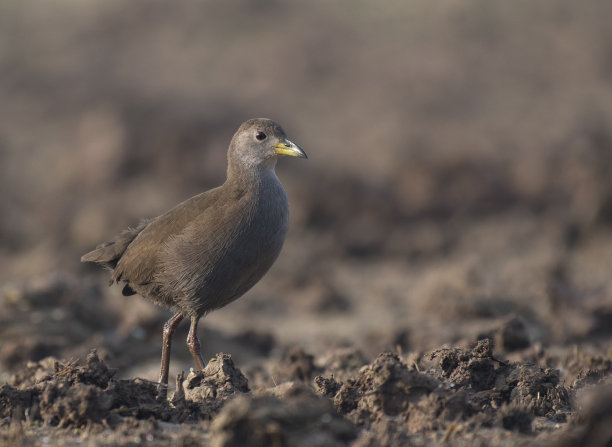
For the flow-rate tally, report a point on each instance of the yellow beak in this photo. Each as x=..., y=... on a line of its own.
x=287, y=147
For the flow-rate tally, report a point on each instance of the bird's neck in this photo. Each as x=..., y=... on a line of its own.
x=251, y=177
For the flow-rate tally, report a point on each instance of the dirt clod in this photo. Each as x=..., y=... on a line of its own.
x=219, y=380
x=515, y=417
x=326, y=386
x=303, y=420
x=386, y=387
x=474, y=370
x=296, y=365
x=513, y=335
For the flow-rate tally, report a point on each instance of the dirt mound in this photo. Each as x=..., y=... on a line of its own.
x=204, y=392
x=595, y=418
x=460, y=391
x=78, y=395
x=300, y=418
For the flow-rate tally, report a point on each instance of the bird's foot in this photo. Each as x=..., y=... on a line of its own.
x=162, y=392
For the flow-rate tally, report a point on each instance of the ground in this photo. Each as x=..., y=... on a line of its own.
x=446, y=276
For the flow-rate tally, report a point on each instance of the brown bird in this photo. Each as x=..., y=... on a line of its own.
x=210, y=249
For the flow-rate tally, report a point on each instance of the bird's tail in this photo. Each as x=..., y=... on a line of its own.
x=108, y=253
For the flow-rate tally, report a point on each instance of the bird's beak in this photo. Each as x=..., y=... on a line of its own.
x=287, y=147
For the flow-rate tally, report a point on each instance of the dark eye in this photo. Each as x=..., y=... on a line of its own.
x=260, y=136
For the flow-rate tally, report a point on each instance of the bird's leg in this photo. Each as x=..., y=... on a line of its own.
x=169, y=328
x=194, y=344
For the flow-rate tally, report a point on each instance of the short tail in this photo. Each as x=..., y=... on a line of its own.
x=108, y=253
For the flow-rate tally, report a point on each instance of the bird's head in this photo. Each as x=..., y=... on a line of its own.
x=258, y=143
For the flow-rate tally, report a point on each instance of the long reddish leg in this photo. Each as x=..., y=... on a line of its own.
x=194, y=344
x=169, y=328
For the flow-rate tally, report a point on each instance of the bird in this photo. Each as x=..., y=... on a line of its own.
x=212, y=248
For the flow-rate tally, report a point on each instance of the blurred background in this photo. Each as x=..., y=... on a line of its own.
x=458, y=180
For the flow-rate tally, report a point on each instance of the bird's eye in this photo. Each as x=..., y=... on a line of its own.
x=260, y=136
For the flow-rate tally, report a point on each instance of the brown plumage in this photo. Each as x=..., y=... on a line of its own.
x=210, y=249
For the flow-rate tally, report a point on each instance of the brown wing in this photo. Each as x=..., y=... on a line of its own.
x=140, y=262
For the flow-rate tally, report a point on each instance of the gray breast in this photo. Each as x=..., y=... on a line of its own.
x=213, y=263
